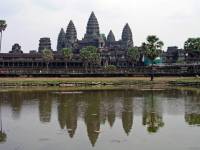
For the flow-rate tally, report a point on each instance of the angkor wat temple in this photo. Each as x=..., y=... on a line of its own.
x=112, y=52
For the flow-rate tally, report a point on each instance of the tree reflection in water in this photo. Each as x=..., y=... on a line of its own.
x=152, y=115
x=192, y=109
x=3, y=135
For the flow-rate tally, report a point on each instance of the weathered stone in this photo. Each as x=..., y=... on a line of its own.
x=61, y=40
x=92, y=30
x=44, y=42
x=127, y=36
x=71, y=35
x=16, y=48
x=110, y=37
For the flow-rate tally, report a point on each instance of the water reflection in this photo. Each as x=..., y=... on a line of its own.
x=192, y=110
x=96, y=108
x=45, y=104
x=67, y=114
x=127, y=115
x=3, y=135
x=152, y=113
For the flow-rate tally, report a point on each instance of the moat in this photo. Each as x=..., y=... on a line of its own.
x=100, y=119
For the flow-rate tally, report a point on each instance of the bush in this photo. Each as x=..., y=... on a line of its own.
x=110, y=68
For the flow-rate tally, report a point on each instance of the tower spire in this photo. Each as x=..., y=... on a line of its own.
x=110, y=37
x=92, y=29
x=71, y=34
x=127, y=35
x=61, y=40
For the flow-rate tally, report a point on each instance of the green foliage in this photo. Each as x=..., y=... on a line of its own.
x=110, y=68
x=3, y=136
x=153, y=47
x=193, y=119
x=192, y=44
x=3, y=25
x=133, y=54
x=90, y=54
x=67, y=53
x=47, y=55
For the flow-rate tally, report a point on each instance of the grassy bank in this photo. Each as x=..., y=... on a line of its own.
x=83, y=81
x=189, y=81
x=76, y=84
x=113, y=81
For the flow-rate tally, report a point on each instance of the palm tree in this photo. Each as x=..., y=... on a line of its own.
x=67, y=54
x=152, y=49
x=3, y=26
x=90, y=55
x=47, y=55
x=133, y=55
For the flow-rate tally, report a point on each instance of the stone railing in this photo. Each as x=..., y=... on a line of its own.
x=176, y=70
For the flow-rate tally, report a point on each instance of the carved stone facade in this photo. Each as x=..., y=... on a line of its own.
x=61, y=40
x=16, y=49
x=173, y=55
x=44, y=43
x=111, y=50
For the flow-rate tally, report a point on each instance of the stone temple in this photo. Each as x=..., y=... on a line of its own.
x=113, y=52
x=93, y=37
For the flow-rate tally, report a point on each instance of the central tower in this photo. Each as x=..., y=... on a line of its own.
x=92, y=30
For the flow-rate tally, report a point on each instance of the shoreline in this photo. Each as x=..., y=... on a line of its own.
x=99, y=81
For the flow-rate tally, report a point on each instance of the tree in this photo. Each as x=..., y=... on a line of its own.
x=90, y=55
x=3, y=26
x=152, y=49
x=192, y=44
x=47, y=55
x=192, y=47
x=67, y=54
x=110, y=68
x=133, y=55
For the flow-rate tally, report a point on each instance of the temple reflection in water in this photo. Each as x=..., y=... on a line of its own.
x=98, y=108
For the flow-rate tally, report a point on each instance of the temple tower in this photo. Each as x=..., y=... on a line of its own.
x=16, y=49
x=61, y=40
x=110, y=37
x=71, y=35
x=127, y=36
x=92, y=36
x=92, y=30
x=44, y=42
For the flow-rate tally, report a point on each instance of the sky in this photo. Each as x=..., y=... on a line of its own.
x=173, y=21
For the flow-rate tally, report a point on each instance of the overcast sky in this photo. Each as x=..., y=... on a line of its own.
x=173, y=21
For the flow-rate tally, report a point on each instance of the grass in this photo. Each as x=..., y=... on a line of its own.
x=98, y=83
x=189, y=80
x=21, y=81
